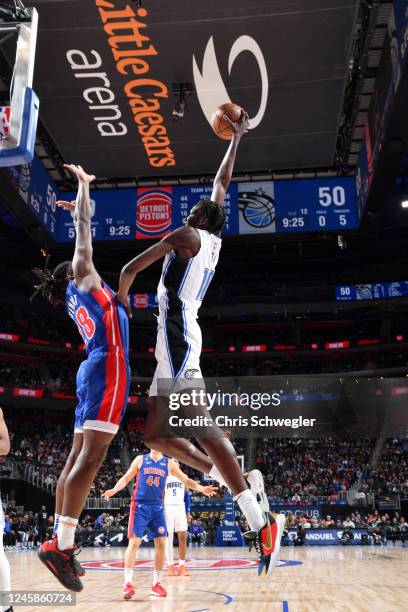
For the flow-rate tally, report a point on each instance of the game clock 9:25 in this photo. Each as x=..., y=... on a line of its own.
x=293, y=222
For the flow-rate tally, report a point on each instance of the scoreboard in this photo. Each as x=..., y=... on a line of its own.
x=256, y=207
x=38, y=190
x=268, y=207
x=372, y=291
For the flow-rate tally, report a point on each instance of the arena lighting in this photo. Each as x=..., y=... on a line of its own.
x=182, y=91
x=404, y=204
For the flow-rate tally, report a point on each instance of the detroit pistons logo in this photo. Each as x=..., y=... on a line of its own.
x=147, y=565
x=153, y=212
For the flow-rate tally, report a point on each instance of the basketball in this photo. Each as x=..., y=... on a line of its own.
x=220, y=126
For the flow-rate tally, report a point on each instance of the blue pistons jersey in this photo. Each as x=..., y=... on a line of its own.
x=147, y=507
x=151, y=480
x=102, y=321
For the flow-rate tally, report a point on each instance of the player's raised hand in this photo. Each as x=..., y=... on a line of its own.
x=241, y=126
x=69, y=206
x=208, y=491
x=109, y=493
x=80, y=173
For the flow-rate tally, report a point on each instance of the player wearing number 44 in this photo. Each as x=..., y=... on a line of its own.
x=147, y=511
x=102, y=380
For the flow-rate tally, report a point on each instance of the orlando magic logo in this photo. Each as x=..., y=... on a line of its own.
x=257, y=208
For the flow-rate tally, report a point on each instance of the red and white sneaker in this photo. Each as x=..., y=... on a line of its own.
x=128, y=591
x=158, y=590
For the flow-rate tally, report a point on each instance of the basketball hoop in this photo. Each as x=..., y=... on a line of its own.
x=18, y=122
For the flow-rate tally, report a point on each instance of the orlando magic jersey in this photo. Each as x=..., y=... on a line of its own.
x=102, y=321
x=181, y=290
x=151, y=480
x=183, y=283
x=175, y=492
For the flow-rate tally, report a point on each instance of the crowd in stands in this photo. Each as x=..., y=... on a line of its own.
x=62, y=370
x=303, y=471
x=40, y=452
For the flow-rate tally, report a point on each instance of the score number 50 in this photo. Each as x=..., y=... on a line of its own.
x=332, y=195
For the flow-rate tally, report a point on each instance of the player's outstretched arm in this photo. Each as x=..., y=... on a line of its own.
x=184, y=240
x=208, y=491
x=224, y=174
x=4, y=436
x=126, y=478
x=82, y=262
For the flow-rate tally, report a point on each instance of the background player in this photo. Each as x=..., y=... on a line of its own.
x=5, y=581
x=177, y=506
x=191, y=254
x=147, y=511
x=102, y=380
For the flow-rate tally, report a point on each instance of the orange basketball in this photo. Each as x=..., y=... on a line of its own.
x=220, y=126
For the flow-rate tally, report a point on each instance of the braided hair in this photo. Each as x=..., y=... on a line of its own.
x=53, y=285
x=215, y=214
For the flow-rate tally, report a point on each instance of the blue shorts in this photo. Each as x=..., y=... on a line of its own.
x=103, y=382
x=147, y=518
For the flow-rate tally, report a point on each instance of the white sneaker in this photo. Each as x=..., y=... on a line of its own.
x=257, y=486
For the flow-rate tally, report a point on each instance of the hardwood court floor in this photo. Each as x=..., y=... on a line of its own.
x=327, y=579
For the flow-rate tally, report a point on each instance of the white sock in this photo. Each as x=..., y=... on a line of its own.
x=157, y=576
x=66, y=532
x=128, y=573
x=216, y=475
x=182, y=561
x=56, y=523
x=5, y=584
x=250, y=509
x=169, y=549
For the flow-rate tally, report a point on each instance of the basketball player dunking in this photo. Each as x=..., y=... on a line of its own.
x=147, y=511
x=191, y=254
x=102, y=380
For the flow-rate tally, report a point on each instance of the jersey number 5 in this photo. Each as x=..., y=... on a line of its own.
x=86, y=324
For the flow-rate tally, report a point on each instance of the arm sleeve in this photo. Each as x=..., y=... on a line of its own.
x=187, y=501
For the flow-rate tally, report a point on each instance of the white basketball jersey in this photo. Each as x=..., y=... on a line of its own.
x=183, y=284
x=174, y=495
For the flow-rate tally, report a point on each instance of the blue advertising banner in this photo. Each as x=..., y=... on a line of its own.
x=307, y=511
x=229, y=536
x=327, y=537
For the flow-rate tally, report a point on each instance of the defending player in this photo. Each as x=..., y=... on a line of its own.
x=176, y=505
x=190, y=256
x=147, y=511
x=5, y=583
x=102, y=380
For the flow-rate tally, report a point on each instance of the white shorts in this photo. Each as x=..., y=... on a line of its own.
x=176, y=518
x=163, y=374
x=178, y=357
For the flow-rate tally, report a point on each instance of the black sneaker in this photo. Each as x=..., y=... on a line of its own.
x=61, y=563
x=79, y=570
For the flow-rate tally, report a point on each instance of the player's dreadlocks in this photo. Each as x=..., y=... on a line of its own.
x=53, y=284
x=215, y=214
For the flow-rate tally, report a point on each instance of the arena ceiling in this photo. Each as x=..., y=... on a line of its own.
x=106, y=70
